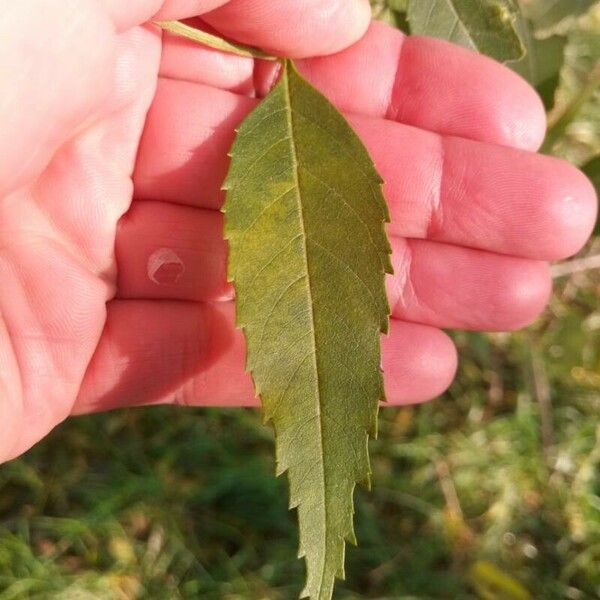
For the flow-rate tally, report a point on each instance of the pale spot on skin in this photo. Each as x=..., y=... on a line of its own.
x=226, y=296
x=165, y=267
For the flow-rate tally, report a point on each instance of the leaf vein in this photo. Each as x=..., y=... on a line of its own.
x=256, y=160
x=341, y=198
x=277, y=403
x=269, y=262
x=290, y=121
x=343, y=148
x=263, y=211
x=282, y=353
x=259, y=123
x=272, y=311
x=341, y=262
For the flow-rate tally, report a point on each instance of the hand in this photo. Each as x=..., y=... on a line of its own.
x=108, y=302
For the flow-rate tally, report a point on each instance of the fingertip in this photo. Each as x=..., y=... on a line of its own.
x=442, y=363
x=293, y=28
x=522, y=120
x=419, y=362
x=445, y=362
x=587, y=199
x=525, y=291
x=571, y=210
x=352, y=25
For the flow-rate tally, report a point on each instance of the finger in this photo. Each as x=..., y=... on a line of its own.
x=448, y=189
x=186, y=353
x=171, y=252
x=480, y=195
x=462, y=288
x=293, y=28
x=175, y=252
x=183, y=151
x=418, y=81
x=434, y=85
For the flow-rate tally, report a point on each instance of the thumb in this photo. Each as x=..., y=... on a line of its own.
x=295, y=28
x=56, y=67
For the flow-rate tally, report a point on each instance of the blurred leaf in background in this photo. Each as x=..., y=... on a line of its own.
x=551, y=13
x=487, y=26
x=542, y=62
x=574, y=122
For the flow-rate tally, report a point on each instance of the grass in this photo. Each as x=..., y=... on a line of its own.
x=490, y=492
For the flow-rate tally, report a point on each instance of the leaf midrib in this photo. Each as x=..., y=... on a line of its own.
x=296, y=169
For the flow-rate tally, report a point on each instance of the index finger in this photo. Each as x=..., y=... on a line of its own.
x=293, y=28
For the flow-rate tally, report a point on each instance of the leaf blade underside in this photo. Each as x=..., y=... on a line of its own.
x=308, y=254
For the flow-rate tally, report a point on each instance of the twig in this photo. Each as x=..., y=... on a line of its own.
x=213, y=41
x=541, y=387
x=577, y=265
x=448, y=489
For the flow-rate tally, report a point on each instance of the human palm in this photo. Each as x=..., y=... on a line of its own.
x=112, y=270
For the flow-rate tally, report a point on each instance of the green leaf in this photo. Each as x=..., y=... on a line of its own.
x=542, y=62
x=548, y=13
x=574, y=123
x=308, y=254
x=487, y=26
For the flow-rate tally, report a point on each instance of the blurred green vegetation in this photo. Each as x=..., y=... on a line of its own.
x=491, y=491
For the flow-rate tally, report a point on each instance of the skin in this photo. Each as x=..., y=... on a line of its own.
x=113, y=147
